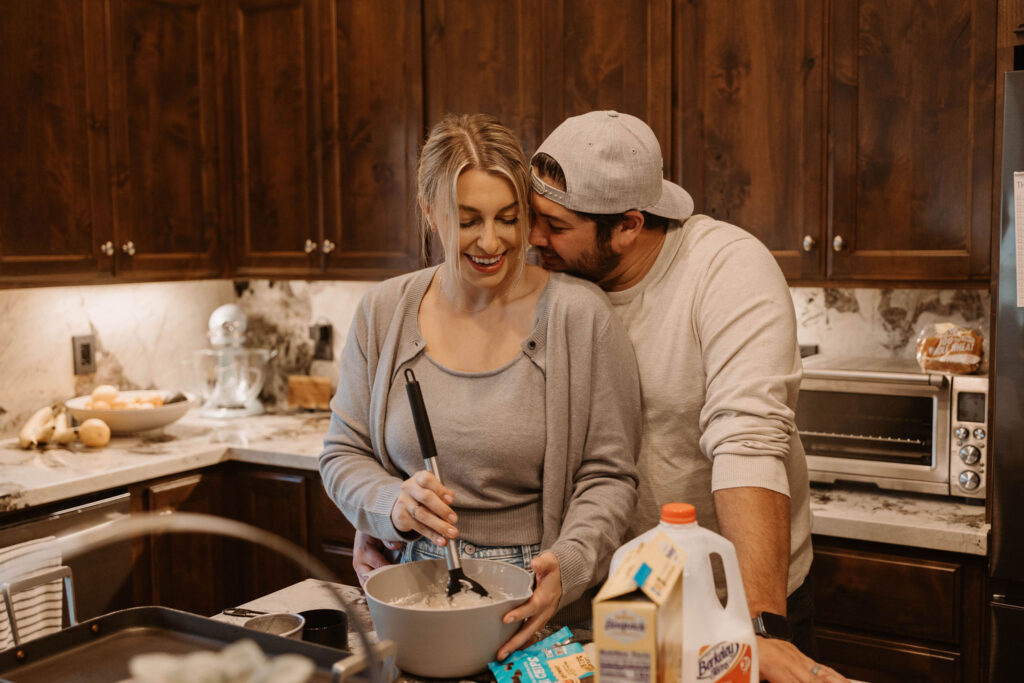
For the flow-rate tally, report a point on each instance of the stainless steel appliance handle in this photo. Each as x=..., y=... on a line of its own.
x=870, y=376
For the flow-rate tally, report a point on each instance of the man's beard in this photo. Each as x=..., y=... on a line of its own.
x=597, y=264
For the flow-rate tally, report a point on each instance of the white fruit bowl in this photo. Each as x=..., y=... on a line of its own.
x=131, y=420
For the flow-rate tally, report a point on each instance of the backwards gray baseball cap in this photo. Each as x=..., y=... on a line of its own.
x=612, y=164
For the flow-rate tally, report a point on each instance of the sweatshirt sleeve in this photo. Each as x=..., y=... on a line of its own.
x=603, y=488
x=747, y=327
x=354, y=478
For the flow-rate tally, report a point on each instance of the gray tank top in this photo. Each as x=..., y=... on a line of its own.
x=489, y=429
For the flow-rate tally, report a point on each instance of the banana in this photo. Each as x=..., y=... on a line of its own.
x=63, y=432
x=38, y=429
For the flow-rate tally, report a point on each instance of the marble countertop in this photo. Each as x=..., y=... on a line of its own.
x=31, y=477
x=899, y=518
x=36, y=477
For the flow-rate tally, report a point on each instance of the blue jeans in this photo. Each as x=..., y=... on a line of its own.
x=518, y=555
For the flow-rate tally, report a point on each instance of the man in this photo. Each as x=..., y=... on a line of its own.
x=714, y=330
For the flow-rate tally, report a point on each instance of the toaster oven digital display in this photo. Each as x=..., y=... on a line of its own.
x=971, y=407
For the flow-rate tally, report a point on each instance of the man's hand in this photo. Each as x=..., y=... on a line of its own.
x=541, y=606
x=782, y=662
x=368, y=554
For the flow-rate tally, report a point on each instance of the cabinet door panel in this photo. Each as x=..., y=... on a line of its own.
x=166, y=86
x=373, y=125
x=882, y=661
x=603, y=55
x=54, y=212
x=186, y=569
x=276, y=119
x=912, y=121
x=752, y=108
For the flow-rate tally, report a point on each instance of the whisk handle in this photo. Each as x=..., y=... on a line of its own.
x=419, y=416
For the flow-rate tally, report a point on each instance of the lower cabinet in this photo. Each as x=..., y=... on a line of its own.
x=204, y=573
x=891, y=613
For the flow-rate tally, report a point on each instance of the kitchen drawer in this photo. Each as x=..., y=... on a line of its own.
x=329, y=524
x=914, y=598
x=886, y=661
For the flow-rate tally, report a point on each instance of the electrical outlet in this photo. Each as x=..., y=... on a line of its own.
x=83, y=349
x=322, y=335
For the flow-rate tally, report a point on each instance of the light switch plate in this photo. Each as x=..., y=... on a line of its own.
x=83, y=350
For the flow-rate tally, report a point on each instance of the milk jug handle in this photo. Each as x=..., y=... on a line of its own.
x=737, y=603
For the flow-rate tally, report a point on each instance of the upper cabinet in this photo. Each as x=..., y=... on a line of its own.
x=912, y=120
x=166, y=79
x=857, y=144
x=159, y=139
x=111, y=138
x=54, y=210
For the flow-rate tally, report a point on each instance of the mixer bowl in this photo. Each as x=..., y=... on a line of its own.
x=452, y=642
x=230, y=380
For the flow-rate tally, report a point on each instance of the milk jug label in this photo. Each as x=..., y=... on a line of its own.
x=625, y=626
x=726, y=662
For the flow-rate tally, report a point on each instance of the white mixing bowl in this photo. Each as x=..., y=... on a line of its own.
x=445, y=643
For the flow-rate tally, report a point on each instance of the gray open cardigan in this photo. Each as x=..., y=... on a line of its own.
x=592, y=408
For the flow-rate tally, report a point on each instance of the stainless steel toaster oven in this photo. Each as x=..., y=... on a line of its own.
x=888, y=423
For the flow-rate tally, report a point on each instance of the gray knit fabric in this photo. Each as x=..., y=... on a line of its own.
x=591, y=407
x=489, y=432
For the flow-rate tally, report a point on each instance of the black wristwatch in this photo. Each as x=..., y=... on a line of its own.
x=776, y=626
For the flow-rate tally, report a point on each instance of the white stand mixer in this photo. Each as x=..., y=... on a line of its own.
x=231, y=376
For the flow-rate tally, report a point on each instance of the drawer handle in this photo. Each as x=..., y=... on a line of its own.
x=107, y=248
x=309, y=247
x=128, y=248
x=328, y=246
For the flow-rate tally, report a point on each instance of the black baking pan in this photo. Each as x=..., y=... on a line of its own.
x=99, y=650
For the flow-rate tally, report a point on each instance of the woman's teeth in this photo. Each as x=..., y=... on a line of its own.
x=485, y=261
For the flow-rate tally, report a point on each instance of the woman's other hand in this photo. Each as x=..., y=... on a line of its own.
x=368, y=553
x=541, y=606
x=423, y=507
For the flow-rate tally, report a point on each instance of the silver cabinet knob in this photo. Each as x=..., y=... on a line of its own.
x=838, y=243
x=970, y=454
x=107, y=248
x=969, y=480
x=309, y=247
x=128, y=248
x=809, y=243
x=961, y=433
x=328, y=246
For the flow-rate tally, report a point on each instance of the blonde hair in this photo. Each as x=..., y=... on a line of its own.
x=461, y=142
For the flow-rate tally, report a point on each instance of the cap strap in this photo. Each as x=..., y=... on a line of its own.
x=545, y=190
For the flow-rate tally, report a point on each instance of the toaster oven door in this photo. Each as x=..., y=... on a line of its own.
x=893, y=434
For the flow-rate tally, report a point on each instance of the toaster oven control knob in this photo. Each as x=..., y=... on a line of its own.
x=961, y=433
x=979, y=434
x=970, y=454
x=970, y=480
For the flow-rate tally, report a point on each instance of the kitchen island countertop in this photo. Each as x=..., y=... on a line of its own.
x=30, y=478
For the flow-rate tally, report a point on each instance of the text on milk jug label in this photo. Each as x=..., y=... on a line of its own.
x=726, y=662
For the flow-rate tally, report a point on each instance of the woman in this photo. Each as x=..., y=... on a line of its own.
x=528, y=377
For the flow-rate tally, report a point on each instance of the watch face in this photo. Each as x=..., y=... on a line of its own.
x=774, y=626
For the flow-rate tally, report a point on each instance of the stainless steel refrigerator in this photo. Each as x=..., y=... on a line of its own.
x=1006, y=551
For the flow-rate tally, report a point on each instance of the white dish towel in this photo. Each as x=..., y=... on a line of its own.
x=38, y=609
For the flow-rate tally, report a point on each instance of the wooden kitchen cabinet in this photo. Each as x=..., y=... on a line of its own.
x=182, y=570
x=912, y=116
x=54, y=204
x=167, y=134
x=891, y=613
x=855, y=138
x=752, y=121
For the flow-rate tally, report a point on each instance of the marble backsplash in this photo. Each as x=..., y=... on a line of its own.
x=145, y=333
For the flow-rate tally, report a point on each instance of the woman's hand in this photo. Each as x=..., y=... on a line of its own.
x=541, y=606
x=423, y=507
x=368, y=554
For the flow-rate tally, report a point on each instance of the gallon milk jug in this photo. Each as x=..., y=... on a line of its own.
x=718, y=642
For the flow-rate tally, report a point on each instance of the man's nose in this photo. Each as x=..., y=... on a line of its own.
x=538, y=237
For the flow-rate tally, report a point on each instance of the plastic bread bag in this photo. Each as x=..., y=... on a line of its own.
x=555, y=658
x=948, y=347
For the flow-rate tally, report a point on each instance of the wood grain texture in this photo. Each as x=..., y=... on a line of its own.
x=750, y=78
x=912, y=112
x=52, y=129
